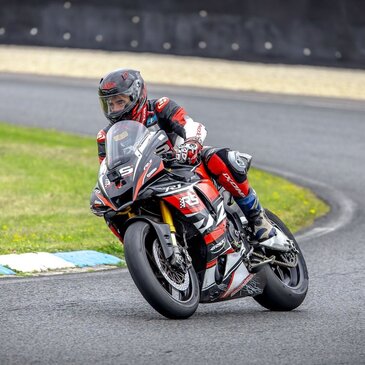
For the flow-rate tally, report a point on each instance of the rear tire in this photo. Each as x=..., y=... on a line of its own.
x=172, y=295
x=286, y=288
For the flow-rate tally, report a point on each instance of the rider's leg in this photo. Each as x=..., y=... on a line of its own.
x=230, y=169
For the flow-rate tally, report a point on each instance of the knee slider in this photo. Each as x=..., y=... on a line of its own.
x=240, y=162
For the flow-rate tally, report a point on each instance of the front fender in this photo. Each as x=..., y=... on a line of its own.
x=162, y=230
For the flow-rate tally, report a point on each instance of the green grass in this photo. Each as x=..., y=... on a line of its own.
x=45, y=184
x=296, y=206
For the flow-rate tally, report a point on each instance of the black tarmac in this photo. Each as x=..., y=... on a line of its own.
x=100, y=318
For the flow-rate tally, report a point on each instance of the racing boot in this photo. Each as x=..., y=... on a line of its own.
x=261, y=228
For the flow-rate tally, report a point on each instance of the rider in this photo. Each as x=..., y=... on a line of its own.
x=123, y=96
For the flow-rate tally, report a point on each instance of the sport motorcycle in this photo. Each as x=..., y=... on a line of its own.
x=185, y=239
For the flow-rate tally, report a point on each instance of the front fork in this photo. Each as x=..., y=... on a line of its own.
x=167, y=218
x=181, y=259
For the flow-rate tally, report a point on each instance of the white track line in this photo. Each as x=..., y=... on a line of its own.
x=342, y=207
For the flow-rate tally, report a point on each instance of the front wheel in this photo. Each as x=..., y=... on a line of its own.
x=286, y=287
x=172, y=293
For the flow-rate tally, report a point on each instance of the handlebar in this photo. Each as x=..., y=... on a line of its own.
x=168, y=156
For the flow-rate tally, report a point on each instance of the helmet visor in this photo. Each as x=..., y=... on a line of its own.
x=116, y=105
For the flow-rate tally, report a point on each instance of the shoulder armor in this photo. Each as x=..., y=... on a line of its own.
x=162, y=103
x=101, y=136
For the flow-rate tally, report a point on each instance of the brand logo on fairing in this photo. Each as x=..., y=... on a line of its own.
x=148, y=164
x=127, y=170
x=190, y=199
x=172, y=187
x=151, y=172
x=217, y=246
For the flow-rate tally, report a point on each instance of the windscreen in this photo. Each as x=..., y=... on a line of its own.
x=122, y=140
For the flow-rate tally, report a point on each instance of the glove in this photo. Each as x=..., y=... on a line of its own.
x=189, y=152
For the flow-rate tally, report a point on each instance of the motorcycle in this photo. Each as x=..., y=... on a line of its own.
x=185, y=239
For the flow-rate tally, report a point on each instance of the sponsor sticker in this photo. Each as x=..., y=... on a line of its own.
x=125, y=171
x=109, y=85
x=190, y=199
x=120, y=136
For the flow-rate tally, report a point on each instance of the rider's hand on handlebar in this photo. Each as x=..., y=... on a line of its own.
x=189, y=152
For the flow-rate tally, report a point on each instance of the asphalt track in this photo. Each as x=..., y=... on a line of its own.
x=100, y=318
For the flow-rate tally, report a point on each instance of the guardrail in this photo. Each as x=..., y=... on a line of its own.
x=319, y=32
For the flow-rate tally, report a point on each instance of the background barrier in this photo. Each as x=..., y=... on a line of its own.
x=319, y=32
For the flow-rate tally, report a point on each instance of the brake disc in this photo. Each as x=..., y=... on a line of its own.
x=178, y=280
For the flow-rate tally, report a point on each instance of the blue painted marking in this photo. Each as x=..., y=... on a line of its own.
x=88, y=258
x=6, y=271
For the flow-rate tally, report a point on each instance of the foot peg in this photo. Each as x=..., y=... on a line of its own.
x=254, y=267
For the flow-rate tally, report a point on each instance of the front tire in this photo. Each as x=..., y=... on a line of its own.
x=286, y=288
x=173, y=295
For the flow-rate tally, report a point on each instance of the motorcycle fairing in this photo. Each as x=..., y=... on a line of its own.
x=125, y=185
x=237, y=283
x=203, y=206
x=128, y=169
x=127, y=159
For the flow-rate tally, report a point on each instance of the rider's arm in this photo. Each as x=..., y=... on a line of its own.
x=173, y=118
x=100, y=139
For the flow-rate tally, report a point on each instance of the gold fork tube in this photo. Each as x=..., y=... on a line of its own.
x=167, y=218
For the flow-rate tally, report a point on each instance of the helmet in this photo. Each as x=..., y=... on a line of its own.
x=127, y=88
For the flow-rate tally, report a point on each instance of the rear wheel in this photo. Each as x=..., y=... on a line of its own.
x=171, y=292
x=286, y=286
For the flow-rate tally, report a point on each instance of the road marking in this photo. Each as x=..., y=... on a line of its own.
x=342, y=207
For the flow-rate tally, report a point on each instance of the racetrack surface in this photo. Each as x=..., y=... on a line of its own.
x=100, y=318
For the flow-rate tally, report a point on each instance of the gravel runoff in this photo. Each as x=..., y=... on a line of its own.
x=187, y=71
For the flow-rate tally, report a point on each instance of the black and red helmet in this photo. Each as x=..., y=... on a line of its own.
x=128, y=83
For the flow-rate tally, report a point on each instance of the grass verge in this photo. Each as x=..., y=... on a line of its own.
x=45, y=184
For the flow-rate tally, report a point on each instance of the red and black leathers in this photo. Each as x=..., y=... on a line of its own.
x=229, y=168
x=171, y=118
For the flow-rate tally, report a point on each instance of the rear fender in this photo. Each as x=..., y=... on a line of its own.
x=162, y=231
